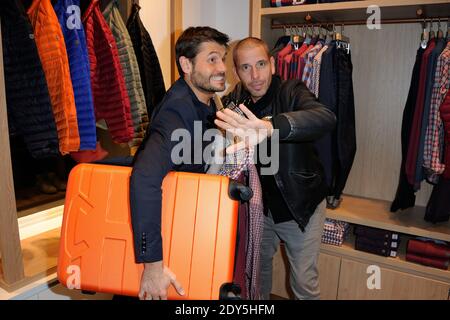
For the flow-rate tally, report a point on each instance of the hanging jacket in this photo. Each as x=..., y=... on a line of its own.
x=68, y=14
x=130, y=71
x=111, y=101
x=53, y=55
x=150, y=69
x=27, y=98
x=405, y=196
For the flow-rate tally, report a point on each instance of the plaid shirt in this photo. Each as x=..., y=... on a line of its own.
x=308, y=71
x=317, y=62
x=433, y=138
x=233, y=167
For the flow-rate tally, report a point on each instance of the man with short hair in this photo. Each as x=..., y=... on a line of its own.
x=200, y=55
x=294, y=195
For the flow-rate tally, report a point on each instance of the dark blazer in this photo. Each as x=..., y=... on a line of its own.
x=178, y=110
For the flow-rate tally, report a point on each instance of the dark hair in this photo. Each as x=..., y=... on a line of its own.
x=249, y=42
x=190, y=40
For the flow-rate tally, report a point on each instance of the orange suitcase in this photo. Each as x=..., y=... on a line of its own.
x=199, y=225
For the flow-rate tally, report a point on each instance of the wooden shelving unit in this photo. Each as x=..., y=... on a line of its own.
x=263, y=15
x=343, y=269
x=376, y=214
x=398, y=263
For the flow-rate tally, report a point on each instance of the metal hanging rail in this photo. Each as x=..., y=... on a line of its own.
x=354, y=22
x=309, y=20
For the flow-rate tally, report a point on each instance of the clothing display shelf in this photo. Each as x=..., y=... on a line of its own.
x=265, y=18
x=19, y=270
x=341, y=267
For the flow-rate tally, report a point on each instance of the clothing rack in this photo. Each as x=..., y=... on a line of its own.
x=309, y=21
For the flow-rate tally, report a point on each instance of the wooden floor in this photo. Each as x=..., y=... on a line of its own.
x=40, y=256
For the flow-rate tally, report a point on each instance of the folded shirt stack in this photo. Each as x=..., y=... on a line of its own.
x=377, y=241
x=428, y=252
x=335, y=232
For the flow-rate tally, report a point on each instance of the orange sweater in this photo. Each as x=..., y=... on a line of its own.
x=53, y=55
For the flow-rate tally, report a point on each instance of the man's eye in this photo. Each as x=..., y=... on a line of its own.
x=261, y=64
x=245, y=68
x=212, y=60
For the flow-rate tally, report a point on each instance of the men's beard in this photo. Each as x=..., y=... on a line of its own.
x=204, y=85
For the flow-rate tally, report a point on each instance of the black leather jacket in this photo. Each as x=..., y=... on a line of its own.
x=301, y=120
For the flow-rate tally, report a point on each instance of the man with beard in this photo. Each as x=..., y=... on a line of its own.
x=294, y=195
x=200, y=55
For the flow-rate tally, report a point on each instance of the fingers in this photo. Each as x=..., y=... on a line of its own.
x=141, y=295
x=232, y=118
x=177, y=286
x=174, y=282
x=236, y=147
x=223, y=125
x=247, y=112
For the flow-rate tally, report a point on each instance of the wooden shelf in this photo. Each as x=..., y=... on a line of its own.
x=357, y=10
x=375, y=213
x=399, y=263
x=40, y=257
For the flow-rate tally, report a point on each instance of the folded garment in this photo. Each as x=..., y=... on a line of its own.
x=375, y=233
x=379, y=243
x=428, y=261
x=375, y=250
x=335, y=232
x=331, y=238
x=428, y=249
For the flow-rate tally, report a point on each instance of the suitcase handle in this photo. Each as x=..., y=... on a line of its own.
x=230, y=291
x=238, y=191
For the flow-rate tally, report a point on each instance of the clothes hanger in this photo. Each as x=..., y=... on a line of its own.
x=432, y=34
x=329, y=36
x=296, y=39
x=308, y=35
x=424, y=36
x=321, y=35
x=440, y=33
x=299, y=35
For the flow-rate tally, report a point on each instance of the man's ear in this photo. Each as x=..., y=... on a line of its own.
x=235, y=72
x=186, y=65
x=272, y=65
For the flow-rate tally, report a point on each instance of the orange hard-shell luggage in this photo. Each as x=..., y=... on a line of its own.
x=199, y=225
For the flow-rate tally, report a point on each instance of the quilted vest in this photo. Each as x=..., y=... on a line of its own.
x=53, y=55
x=28, y=101
x=130, y=71
x=111, y=101
x=68, y=14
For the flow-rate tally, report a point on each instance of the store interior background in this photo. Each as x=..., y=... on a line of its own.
x=370, y=79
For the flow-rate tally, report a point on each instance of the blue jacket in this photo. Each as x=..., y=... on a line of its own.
x=69, y=16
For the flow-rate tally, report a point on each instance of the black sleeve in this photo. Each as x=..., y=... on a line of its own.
x=310, y=121
x=151, y=166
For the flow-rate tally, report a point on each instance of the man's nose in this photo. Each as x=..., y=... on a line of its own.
x=222, y=67
x=255, y=73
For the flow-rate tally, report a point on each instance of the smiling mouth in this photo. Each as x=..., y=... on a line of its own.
x=220, y=78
